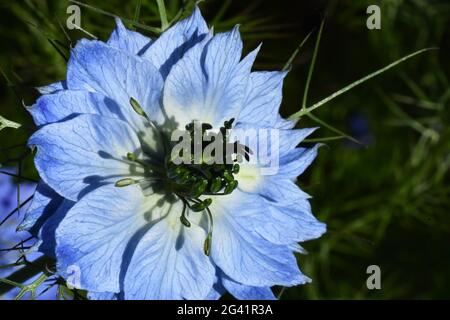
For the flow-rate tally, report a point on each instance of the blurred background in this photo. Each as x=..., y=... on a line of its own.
x=384, y=198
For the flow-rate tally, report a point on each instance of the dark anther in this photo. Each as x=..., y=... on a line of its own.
x=201, y=206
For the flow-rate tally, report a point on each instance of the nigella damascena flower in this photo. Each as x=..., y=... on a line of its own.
x=119, y=217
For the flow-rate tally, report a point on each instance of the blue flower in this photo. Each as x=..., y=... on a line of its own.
x=114, y=208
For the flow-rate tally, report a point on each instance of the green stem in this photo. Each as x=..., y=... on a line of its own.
x=130, y=21
x=23, y=274
x=316, y=140
x=137, y=11
x=221, y=12
x=11, y=283
x=15, y=210
x=330, y=127
x=311, y=67
x=17, y=176
x=163, y=14
x=296, y=52
x=31, y=288
x=305, y=111
x=5, y=123
x=283, y=289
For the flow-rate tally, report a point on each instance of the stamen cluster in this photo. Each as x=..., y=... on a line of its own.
x=194, y=181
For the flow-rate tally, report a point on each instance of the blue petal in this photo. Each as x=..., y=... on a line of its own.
x=93, y=236
x=276, y=183
x=63, y=104
x=208, y=83
x=97, y=67
x=216, y=292
x=170, y=47
x=266, y=141
x=289, y=139
x=285, y=224
x=45, y=202
x=52, y=88
x=279, y=189
x=243, y=292
x=169, y=263
x=295, y=162
x=298, y=248
x=184, y=87
x=263, y=98
x=46, y=236
x=127, y=40
x=244, y=255
x=101, y=295
x=82, y=153
x=282, y=123
x=225, y=76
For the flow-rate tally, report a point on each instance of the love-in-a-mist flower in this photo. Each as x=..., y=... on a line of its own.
x=120, y=217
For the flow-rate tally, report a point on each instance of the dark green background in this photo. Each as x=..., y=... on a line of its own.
x=385, y=202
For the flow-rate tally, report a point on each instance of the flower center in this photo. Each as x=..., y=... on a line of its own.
x=209, y=170
x=201, y=164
